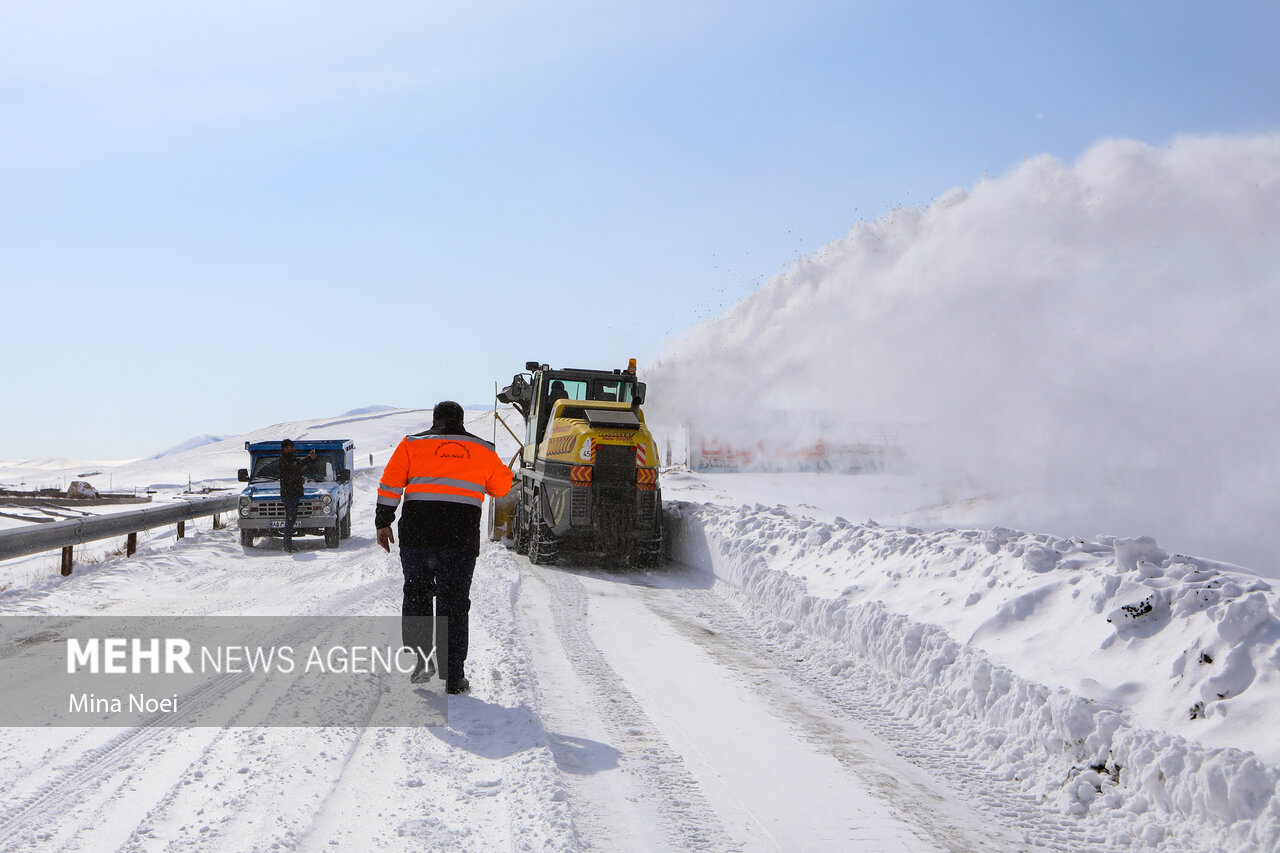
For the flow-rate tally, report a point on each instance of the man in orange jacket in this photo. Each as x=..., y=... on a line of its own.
x=442, y=475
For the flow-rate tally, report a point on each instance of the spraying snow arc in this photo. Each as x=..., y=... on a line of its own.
x=1094, y=342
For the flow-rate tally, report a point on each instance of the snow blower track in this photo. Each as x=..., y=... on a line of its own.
x=705, y=719
x=668, y=794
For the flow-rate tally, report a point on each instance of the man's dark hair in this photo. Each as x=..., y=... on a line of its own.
x=446, y=414
x=288, y=442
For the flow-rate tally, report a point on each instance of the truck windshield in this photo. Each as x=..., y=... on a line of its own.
x=613, y=391
x=267, y=469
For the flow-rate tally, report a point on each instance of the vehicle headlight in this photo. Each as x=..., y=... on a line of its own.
x=244, y=501
x=244, y=510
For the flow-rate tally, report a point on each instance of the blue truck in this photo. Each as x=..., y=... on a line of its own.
x=325, y=506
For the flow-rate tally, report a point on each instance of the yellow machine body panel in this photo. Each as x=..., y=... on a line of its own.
x=575, y=441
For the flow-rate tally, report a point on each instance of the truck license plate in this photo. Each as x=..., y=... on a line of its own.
x=276, y=524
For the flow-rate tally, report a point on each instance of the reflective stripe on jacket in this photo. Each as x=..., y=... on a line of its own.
x=457, y=468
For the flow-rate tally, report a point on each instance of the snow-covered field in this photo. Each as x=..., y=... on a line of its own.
x=789, y=680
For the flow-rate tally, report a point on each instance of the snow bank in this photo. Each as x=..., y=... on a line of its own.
x=1073, y=666
x=1098, y=338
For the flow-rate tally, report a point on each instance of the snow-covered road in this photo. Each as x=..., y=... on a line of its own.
x=786, y=680
x=487, y=782
x=720, y=743
x=609, y=711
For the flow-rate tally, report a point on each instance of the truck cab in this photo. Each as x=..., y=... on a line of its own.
x=325, y=506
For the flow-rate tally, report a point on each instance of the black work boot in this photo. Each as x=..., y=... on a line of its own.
x=457, y=685
x=423, y=670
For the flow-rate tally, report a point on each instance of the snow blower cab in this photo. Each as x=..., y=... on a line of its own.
x=587, y=475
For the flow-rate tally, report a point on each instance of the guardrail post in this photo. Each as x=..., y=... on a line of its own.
x=218, y=523
x=182, y=529
x=131, y=545
x=66, y=561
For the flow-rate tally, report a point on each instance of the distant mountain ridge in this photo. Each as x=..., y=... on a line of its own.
x=190, y=444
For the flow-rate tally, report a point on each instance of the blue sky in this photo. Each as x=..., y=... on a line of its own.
x=213, y=219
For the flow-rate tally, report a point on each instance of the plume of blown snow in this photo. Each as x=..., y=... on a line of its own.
x=1098, y=339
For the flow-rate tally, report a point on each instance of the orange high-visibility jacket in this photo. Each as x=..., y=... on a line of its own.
x=458, y=469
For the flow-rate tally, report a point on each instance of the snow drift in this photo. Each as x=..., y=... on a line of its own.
x=1097, y=340
x=993, y=640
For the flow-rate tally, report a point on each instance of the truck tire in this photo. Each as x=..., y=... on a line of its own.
x=542, y=544
x=344, y=526
x=246, y=538
x=331, y=536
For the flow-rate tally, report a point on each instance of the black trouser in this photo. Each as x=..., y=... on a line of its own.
x=445, y=574
x=290, y=517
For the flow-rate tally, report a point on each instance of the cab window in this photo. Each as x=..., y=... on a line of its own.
x=267, y=468
x=566, y=389
x=612, y=391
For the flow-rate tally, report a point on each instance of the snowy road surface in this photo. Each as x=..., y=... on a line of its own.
x=726, y=748
x=787, y=680
x=609, y=711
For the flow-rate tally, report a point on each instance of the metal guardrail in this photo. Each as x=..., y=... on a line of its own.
x=66, y=535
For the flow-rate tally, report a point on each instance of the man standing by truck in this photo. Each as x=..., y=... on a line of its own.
x=442, y=475
x=293, y=475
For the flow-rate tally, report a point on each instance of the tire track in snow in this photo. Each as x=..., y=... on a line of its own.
x=541, y=818
x=280, y=786
x=357, y=599
x=1000, y=800
x=704, y=618
x=67, y=790
x=95, y=787
x=488, y=781
x=43, y=815
x=345, y=741
x=658, y=771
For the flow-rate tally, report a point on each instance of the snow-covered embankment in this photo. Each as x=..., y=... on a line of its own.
x=1163, y=667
